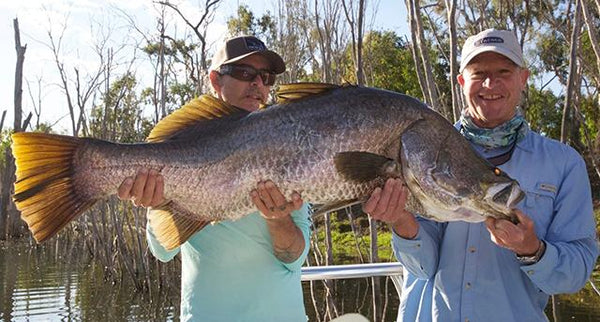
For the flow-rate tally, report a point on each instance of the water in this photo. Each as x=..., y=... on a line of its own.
x=39, y=285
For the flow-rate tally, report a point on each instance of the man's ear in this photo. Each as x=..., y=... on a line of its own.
x=461, y=79
x=215, y=80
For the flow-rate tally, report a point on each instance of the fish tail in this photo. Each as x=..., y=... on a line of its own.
x=45, y=192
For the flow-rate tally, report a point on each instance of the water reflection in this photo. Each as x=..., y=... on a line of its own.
x=39, y=284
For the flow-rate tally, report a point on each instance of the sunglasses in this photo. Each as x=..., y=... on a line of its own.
x=247, y=73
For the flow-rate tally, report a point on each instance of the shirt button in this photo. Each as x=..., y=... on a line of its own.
x=466, y=320
x=468, y=285
x=418, y=245
x=471, y=249
x=530, y=272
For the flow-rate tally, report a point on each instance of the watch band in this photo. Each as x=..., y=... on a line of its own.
x=528, y=260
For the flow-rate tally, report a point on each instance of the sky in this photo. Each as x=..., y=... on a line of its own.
x=83, y=19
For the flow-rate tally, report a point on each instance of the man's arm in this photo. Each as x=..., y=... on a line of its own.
x=288, y=240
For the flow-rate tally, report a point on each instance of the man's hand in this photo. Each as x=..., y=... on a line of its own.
x=145, y=190
x=271, y=203
x=519, y=238
x=287, y=238
x=388, y=204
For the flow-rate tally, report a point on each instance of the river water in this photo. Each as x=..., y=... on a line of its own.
x=38, y=285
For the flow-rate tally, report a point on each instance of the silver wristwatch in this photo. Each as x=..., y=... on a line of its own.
x=528, y=260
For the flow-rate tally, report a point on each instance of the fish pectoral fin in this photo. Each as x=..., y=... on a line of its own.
x=329, y=207
x=287, y=93
x=172, y=225
x=201, y=111
x=361, y=166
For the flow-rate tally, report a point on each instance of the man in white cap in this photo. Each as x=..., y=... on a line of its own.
x=497, y=270
x=250, y=269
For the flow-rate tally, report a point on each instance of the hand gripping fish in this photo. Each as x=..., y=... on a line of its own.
x=334, y=144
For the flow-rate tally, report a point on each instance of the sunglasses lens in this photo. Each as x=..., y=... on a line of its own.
x=267, y=78
x=248, y=74
x=243, y=74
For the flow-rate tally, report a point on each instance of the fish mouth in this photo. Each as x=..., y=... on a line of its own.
x=507, y=194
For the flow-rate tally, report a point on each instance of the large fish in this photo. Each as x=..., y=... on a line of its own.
x=333, y=144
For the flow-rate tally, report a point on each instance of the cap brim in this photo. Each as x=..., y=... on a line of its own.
x=277, y=64
x=499, y=50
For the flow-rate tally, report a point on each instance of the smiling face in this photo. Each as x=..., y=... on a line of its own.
x=492, y=85
x=247, y=95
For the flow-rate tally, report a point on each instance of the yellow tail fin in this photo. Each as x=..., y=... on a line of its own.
x=44, y=189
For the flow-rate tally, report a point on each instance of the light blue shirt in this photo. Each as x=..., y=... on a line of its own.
x=229, y=272
x=454, y=272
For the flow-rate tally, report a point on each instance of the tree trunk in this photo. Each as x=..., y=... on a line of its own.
x=356, y=30
x=18, y=77
x=571, y=80
x=413, y=48
x=430, y=93
x=376, y=290
x=360, y=75
x=331, y=308
x=8, y=173
x=451, y=7
x=592, y=32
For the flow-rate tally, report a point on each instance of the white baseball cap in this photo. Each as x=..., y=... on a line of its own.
x=503, y=42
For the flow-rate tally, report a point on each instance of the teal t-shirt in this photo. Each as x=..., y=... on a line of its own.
x=229, y=272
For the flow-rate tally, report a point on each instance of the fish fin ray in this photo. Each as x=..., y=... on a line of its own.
x=45, y=192
x=201, y=111
x=172, y=225
x=359, y=166
x=287, y=93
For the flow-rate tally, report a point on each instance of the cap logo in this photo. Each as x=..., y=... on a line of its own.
x=255, y=44
x=489, y=40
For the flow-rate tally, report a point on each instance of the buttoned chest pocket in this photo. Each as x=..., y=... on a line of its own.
x=539, y=205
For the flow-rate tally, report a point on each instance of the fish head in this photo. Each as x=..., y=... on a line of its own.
x=450, y=181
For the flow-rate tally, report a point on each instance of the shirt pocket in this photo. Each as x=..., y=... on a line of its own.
x=539, y=205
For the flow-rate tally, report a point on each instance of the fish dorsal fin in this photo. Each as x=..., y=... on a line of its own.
x=172, y=225
x=203, y=108
x=287, y=93
x=359, y=166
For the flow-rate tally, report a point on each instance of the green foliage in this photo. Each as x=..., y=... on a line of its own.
x=552, y=50
x=181, y=93
x=119, y=116
x=544, y=112
x=5, y=142
x=389, y=64
x=264, y=27
x=590, y=116
x=346, y=244
x=172, y=47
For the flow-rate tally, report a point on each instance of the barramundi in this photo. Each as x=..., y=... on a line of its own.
x=333, y=144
